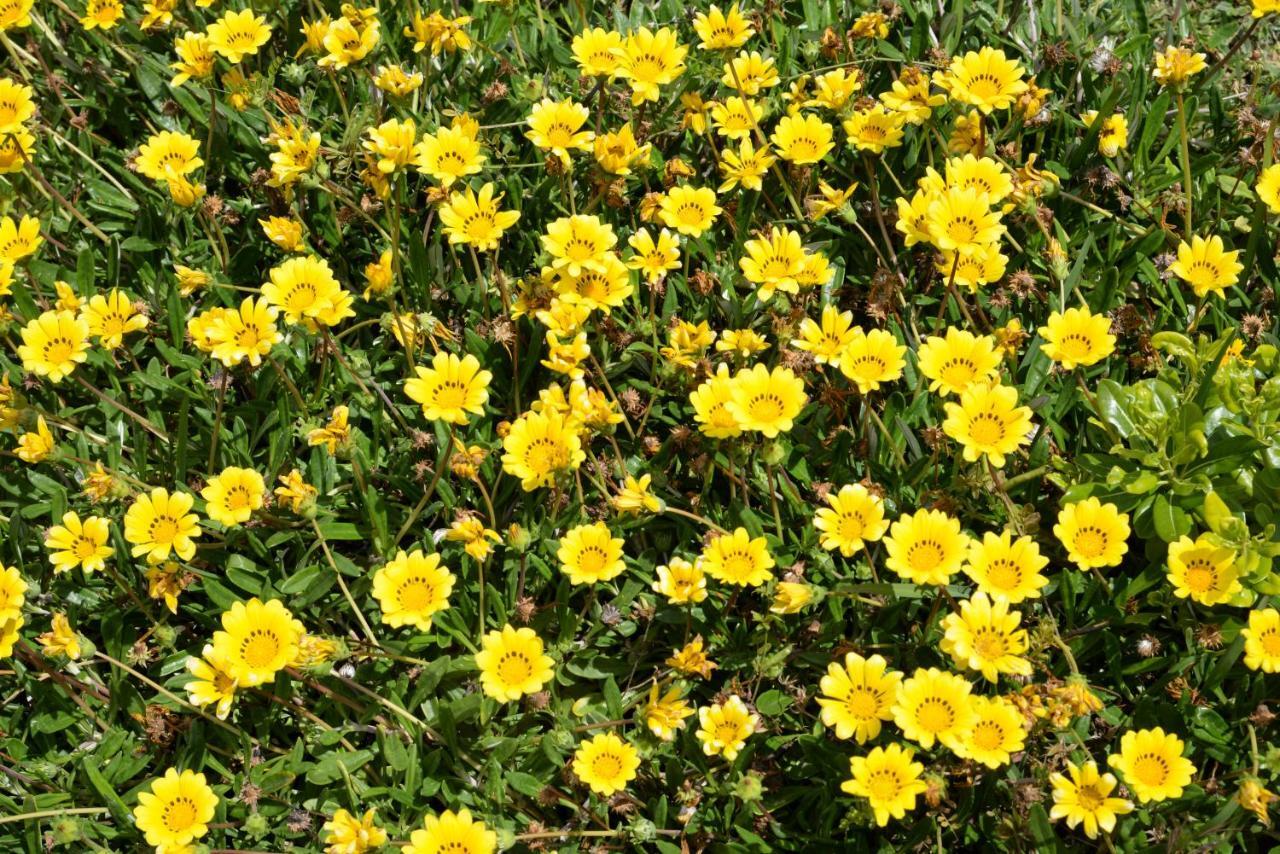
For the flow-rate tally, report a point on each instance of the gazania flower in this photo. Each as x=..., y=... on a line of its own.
x=934, y=706
x=985, y=79
x=618, y=151
x=1005, y=567
x=1113, y=135
x=972, y=271
x=827, y=340
x=257, y=640
x=634, y=497
x=711, y=407
x=854, y=518
x=347, y=834
x=1207, y=266
x=692, y=660
x=512, y=664
x=294, y=491
x=476, y=220
x=960, y=359
x=195, y=58
x=1077, y=337
x=871, y=359
x=737, y=559
x=12, y=593
x=926, y=548
x=394, y=80
x=962, y=221
x=681, y=582
x=979, y=173
x=745, y=166
x=590, y=553
x=111, y=317
x=773, y=262
x=101, y=14
x=602, y=284
x=538, y=446
x=283, y=232
x=392, y=144
x=556, y=127
x=1086, y=799
x=766, y=401
x=829, y=199
x=579, y=242
x=742, y=342
x=858, y=696
x=654, y=258
x=1268, y=187
x=176, y=810
x=802, y=140
x=836, y=88
x=17, y=147
x=167, y=154
x=19, y=239
x=666, y=713
x=998, y=732
x=597, y=52
x=722, y=30
x=689, y=210
x=984, y=636
x=17, y=104
x=451, y=388
x=650, y=60
x=988, y=422
x=448, y=155
x=725, y=727
x=1094, y=534
x=411, y=588
x=606, y=763
x=336, y=433
x=1152, y=764
x=749, y=73
x=238, y=34
x=736, y=118
x=233, y=495
x=1261, y=640
x=456, y=833
x=53, y=344
x=1203, y=571
x=159, y=523
x=35, y=445
x=874, y=129
x=248, y=333
x=15, y=13
x=76, y=543
x=889, y=779
x=1177, y=65
x=212, y=683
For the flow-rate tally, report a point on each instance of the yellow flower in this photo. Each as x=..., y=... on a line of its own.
x=736, y=118
x=590, y=553
x=1261, y=640
x=394, y=80
x=960, y=359
x=378, y=276
x=691, y=660
x=257, y=640
x=238, y=34
x=802, y=140
x=979, y=173
x=746, y=166
x=579, y=242
x=16, y=104
x=616, y=152
x=392, y=143
x=649, y=60
x=871, y=359
x=654, y=258
x=1203, y=571
x=1253, y=796
x=1007, y=568
x=597, y=52
x=790, y=597
x=159, y=523
x=451, y=388
x=695, y=113
x=233, y=495
x=998, y=732
x=411, y=588
x=681, y=582
x=15, y=13
x=195, y=57
x=961, y=220
x=737, y=559
x=283, y=232
x=247, y=333
x=665, y=713
x=985, y=79
x=556, y=127
x=35, y=445
x=159, y=13
x=456, y=833
x=297, y=151
x=347, y=834
x=1094, y=534
x=112, y=317
x=346, y=43
x=1207, y=265
x=858, y=695
x=102, y=14
x=874, y=129
x=722, y=30
x=1077, y=338
x=606, y=763
x=889, y=779
x=476, y=220
x=336, y=433
x=635, y=498
x=988, y=422
x=766, y=401
x=987, y=264
x=836, y=88
x=742, y=342
x=926, y=548
x=53, y=344
x=538, y=447
x=1152, y=764
x=723, y=728
x=934, y=706
x=17, y=146
x=12, y=593
x=295, y=491
x=167, y=580
x=1268, y=186
x=18, y=239
x=1113, y=135
x=1176, y=66
x=854, y=518
x=477, y=540
x=212, y=683
x=984, y=636
x=749, y=73
x=689, y=210
x=9, y=635
x=712, y=411
x=61, y=639
x=827, y=340
x=602, y=284
x=79, y=543
x=1086, y=798
x=168, y=154
x=448, y=155
x=512, y=664
x=176, y=810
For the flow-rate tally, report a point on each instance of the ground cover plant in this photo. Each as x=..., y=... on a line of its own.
x=802, y=426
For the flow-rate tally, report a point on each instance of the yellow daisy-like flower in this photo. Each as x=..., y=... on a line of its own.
x=233, y=495
x=681, y=582
x=455, y=833
x=1007, y=567
x=972, y=271
x=618, y=151
x=13, y=590
x=477, y=540
x=958, y=360
x=1176, y=65
x=634, y=497
x=61, y=639
x=603, y=285
x=982, y=174
x=746, y=167
x=176, y=810
x=829, y=199
x=476, y=220
x=538, y=446
x=737, y=559
x=411, y=588
x=17, y=147
x=689, y=210
x=1152, y=764
x=451, y=388
x=988, y=422
x=985, y=79
x=111, y=317
x=597, y=52
x=450, y=154
x=935, y=706
x=53, y=344
x=212, y=683
x=579, y=242
x=168, y=154
x=742, y=342
x=871, y=359
x=750, y=72
x=854, y=518
x=556, y=127
x=890, y=780
x=347, y=834
x=158, y=524
x=723, y=728
x=722, y=30
x=257, y=640
x=17, y=104
x=247, y=333
x=102, y=14
x=858, y=696
x=666, y=713
x=283, y=232
x=1086, y=799
x=802, y=140
x=650, y=60
x=336, y=433
x=1094, y=534
x=692, y=660
x=984, y=636
x=1261, y=640
x=512, y=664
x=1268, y=187
x=1203, y=571
x=195, y=58
x=392, y=144
x=1077, y=338
x=79, y=543
x=15, y=13
x=962, y=221
x=773, y=262
x=1207, y=265
x=711, y=409
x=926, y=548
x=790, y=597
x=35, y=445
x=1113, y=134
x=874, y=129
x=606, y=763
x=766, y=401
x=654, y=258
x=736, y=118
x=238, y=34
x=828, y=339
x=590, y=553
x=998, y=732
x=836, y=88
x=394, y=80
